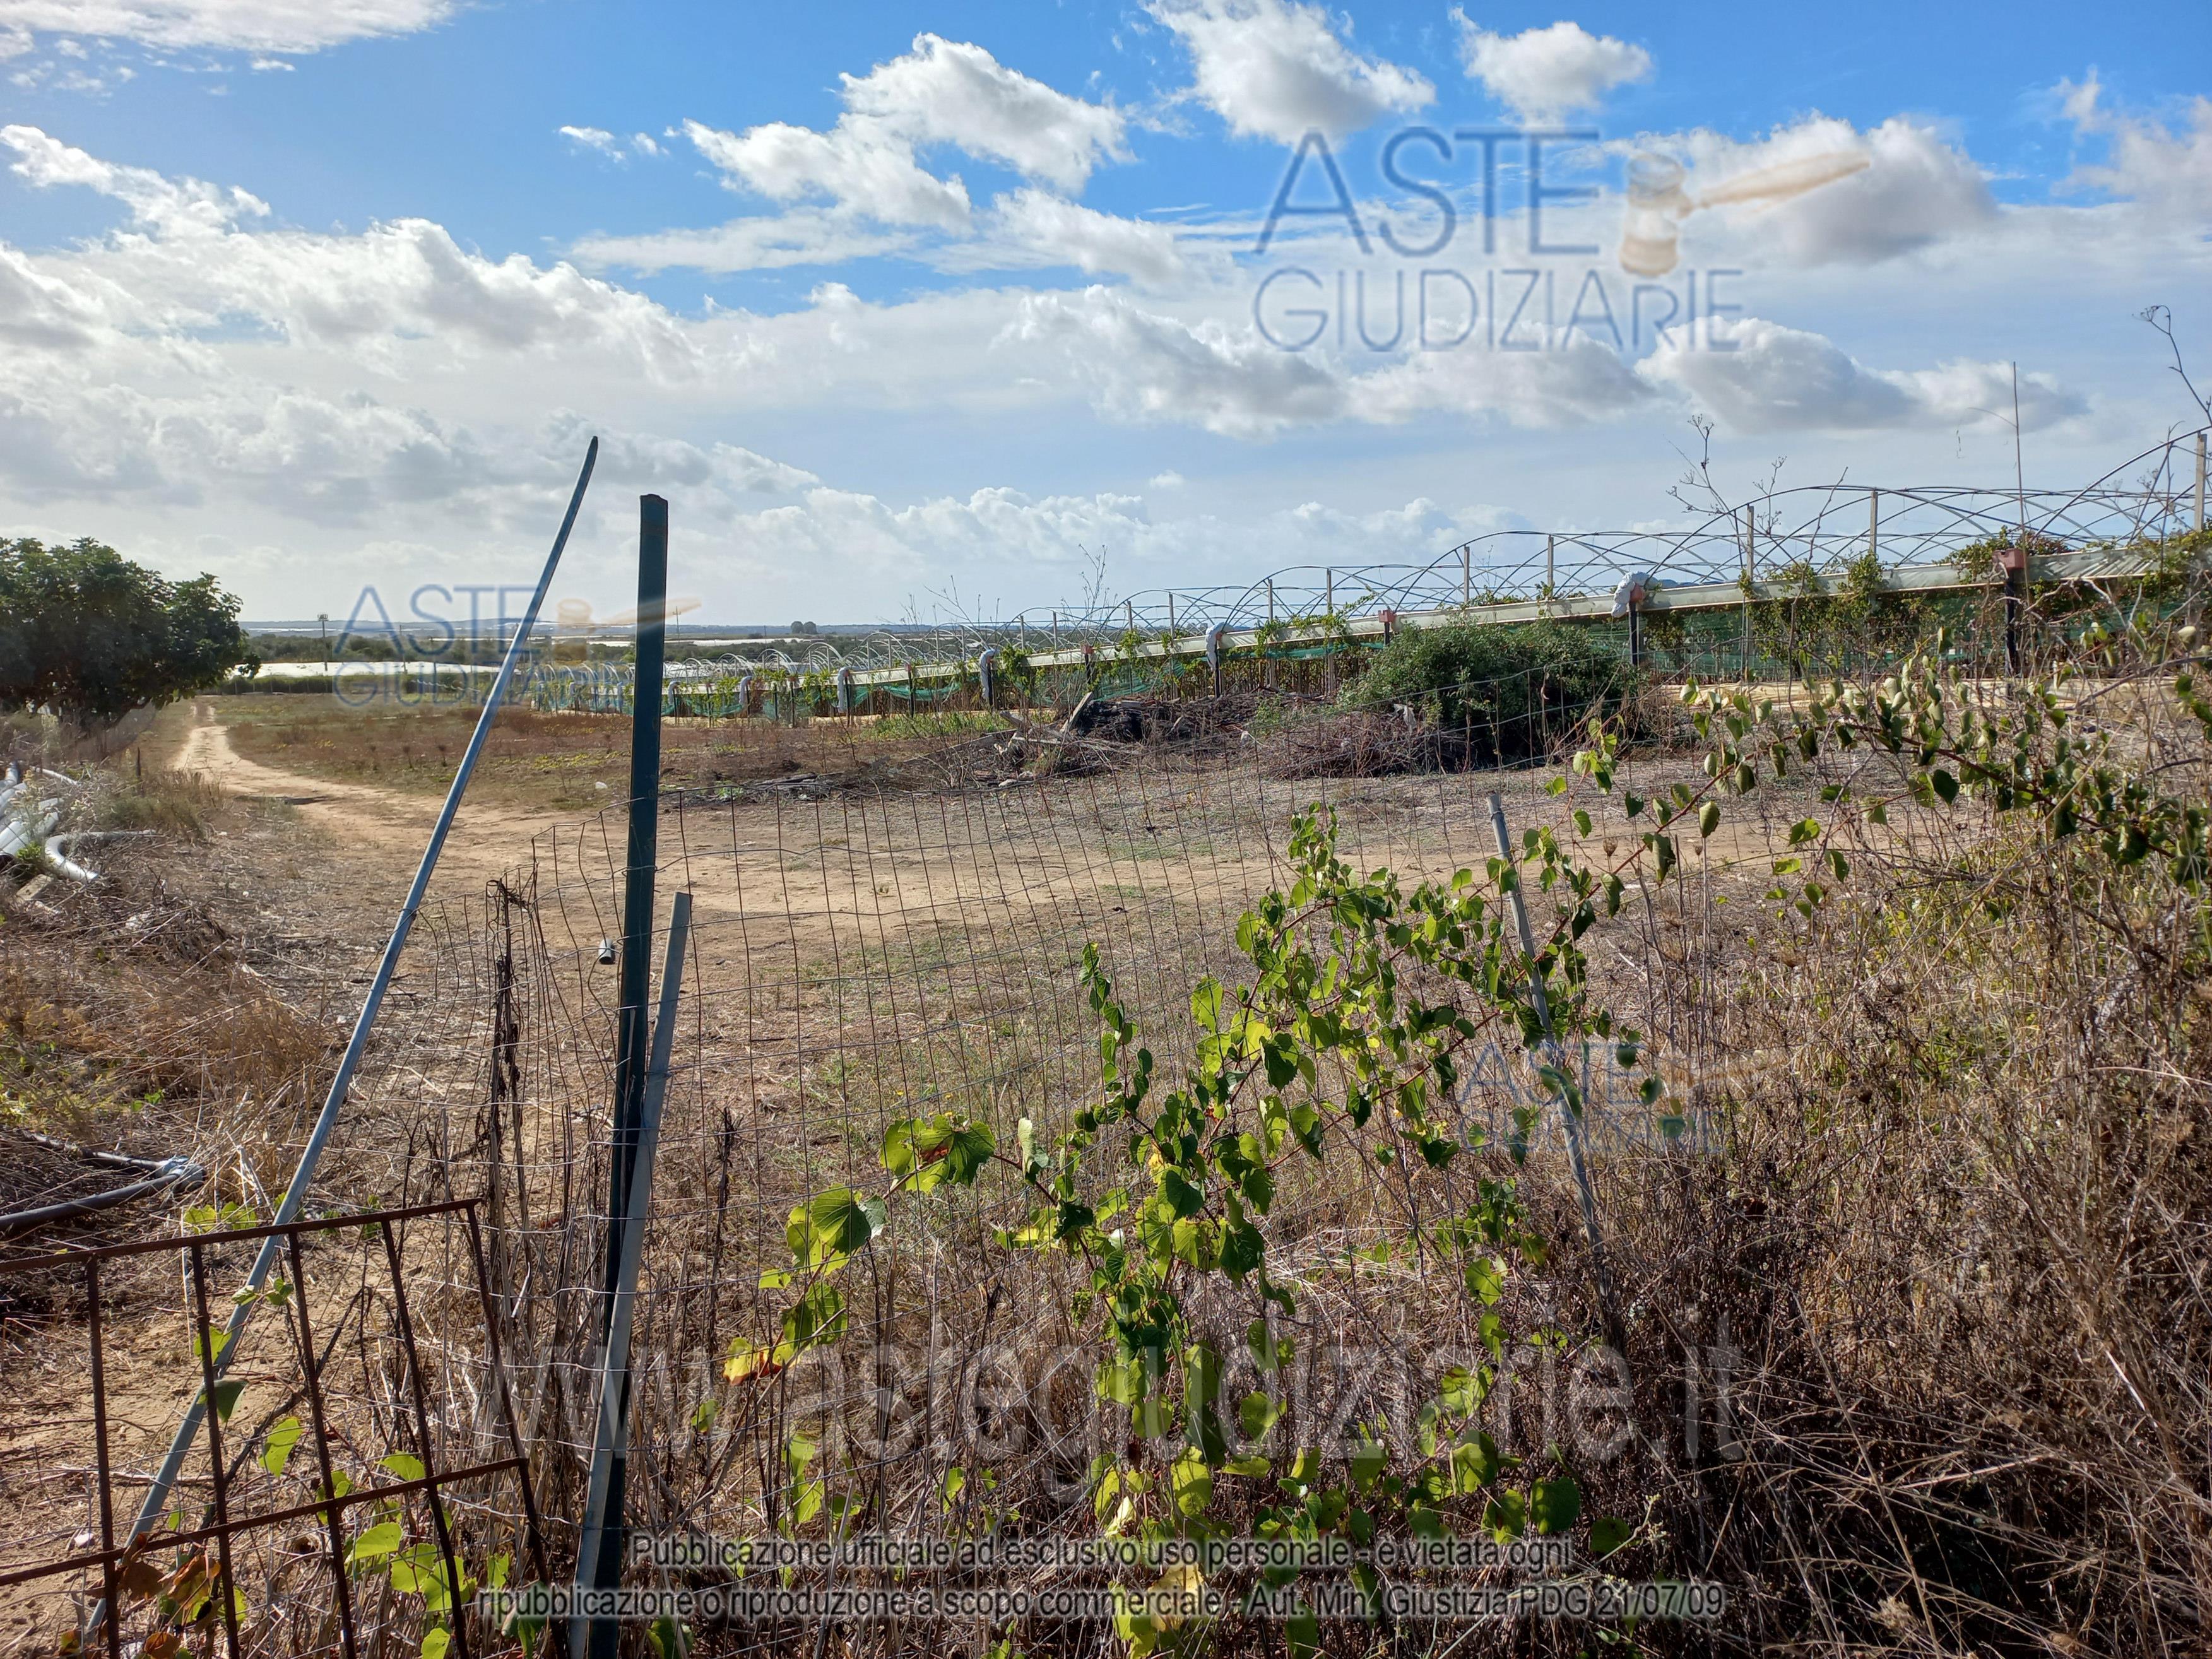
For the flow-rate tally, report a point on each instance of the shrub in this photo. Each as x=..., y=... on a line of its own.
x=1505, y=692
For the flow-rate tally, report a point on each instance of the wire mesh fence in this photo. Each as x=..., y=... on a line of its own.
x=858, y=957
x=868, y=948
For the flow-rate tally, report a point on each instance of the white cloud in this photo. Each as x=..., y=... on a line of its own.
x=1917, y=189
x=1777, y=379
x=859, y=189
x=663, y=463
x=597, y=138
x=999, y=534
x=862, y=166
x=262, y=25
x=39, y=312
x=942, y=92
x=188, y=268
x=1578, y=382
x=1148, y=367
x=174, y=207
x=1278, y=69
x=954, y=93
x=1034, y=227
x=803, y=236
x=2147, y=162
x=600, y=142
x=1543, y=73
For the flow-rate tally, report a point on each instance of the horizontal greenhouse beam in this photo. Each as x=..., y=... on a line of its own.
x=1586, y=607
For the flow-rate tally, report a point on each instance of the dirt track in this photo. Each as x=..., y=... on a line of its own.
x=485, y=841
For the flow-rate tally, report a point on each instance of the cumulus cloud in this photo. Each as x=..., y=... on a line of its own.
x=1578, y=382
x=649, y=460
x=1035, y=227
x=942, y=92
x=860, y=166
x=2167, y=169
x=326, y=461
x=860, y=188
x=1917, y=190
x=1779, y=379
x=1146, y=367
x=38, y=310
x=1278, y=69
x=189, y=267
x=954, y=93
x=1543, y=73
x=174, y=207
x=264, y=26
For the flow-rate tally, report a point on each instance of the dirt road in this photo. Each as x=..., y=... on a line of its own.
x=485, y=841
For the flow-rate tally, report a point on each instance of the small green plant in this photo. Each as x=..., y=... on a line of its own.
x=1348, y=1043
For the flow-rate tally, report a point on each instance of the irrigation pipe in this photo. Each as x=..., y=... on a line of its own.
x=163, y=1172
x=157, y=1494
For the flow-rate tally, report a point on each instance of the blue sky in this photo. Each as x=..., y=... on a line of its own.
x=893, y=300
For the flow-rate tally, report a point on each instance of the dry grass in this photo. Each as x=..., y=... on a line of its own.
x=1919, y=1339
x=563, y=761
x=1920, y=1343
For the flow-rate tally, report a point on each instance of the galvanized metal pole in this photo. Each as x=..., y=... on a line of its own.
x=2200, y=480
x=630, y=1036
x=1615, y=1332
x=296, y=1191
x=1467, y=574
x=1551, y=568
x=1873, y=523
x=603, y=1524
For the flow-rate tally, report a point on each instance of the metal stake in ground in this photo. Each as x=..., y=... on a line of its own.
x=1615, y=1332
x=603, y=1524
x=157, y=1491
x=630, y=1043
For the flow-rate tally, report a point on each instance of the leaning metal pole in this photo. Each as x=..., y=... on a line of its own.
x=610, y=1445
x=157, y=1494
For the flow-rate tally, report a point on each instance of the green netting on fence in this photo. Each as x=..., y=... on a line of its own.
x=908, y=693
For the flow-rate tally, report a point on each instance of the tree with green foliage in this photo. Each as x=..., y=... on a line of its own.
x=92, y=635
